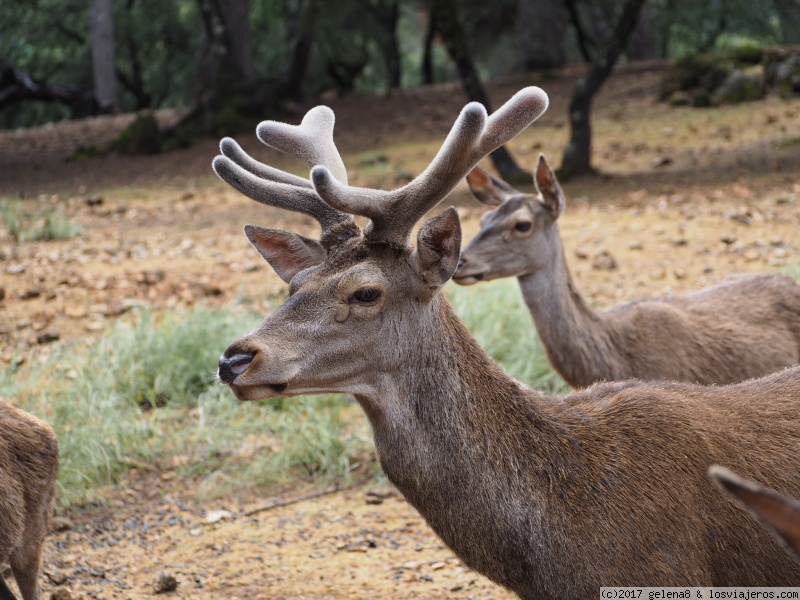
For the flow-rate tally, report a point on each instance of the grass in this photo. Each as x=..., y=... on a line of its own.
x=145, y=395
x=44, y=225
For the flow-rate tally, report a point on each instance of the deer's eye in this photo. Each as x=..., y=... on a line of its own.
x=366, y=296
x=523, y=226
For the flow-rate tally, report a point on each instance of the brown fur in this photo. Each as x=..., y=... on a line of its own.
x=779, y=513
x=745, y=327
x=549, y=497
x=28, y=469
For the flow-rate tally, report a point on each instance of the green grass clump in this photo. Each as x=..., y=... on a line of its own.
x=498, y=318
x=145, y=395
x=151, y=364
x=43, y=225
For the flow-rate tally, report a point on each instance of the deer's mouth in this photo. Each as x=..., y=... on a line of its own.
x=468, y=278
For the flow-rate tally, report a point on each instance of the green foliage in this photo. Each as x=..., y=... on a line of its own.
x=43, y=225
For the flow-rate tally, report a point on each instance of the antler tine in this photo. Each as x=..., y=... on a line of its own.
x=234, y=151
x=283, y=195
x=311, y=141
x=473, y=136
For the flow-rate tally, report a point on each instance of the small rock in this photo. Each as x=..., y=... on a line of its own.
x=60, y=524
x=752, y=255
x=728, y=239
x=603, y=261
x=661, y=161
x=94, y=201
x=680, y=242
x=98, y=572
x=30, y=294
x=75, y=312
x=378, y=496
x=45, y=337
x=218, y=515
x=2, y=293
x=680, y=273
x=581, y=253
x=61, y=594
x=165, y=583
x=56, y=576
x=636, y=246
x=15, y=269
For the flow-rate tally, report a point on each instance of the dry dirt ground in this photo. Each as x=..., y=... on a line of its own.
x=687, y=197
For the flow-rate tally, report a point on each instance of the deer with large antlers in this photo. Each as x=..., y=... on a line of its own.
x=747, y=326
x=549, y=497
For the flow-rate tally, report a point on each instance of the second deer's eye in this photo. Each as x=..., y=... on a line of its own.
x=366, y=296
x=523, y=226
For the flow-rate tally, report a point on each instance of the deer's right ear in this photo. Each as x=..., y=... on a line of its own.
x=548, y=186
x=487, y=188
x=287, y=253
x=438, y=248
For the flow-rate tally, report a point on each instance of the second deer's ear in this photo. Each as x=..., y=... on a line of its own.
x=487, y=188
x=549, y=188
x=438, y=248
x=287, y=253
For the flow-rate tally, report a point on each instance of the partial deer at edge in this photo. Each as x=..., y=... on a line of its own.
x=779, y=513
x=549, y=497
x=747, y=326
x=28, y=469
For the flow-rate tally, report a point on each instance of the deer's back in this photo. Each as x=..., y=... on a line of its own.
x=608, y=486
x=28, y=468
x=746, y=327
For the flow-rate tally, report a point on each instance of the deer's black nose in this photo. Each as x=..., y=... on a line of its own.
x=231, y=367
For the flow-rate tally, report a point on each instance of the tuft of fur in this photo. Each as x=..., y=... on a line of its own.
x=28, y=469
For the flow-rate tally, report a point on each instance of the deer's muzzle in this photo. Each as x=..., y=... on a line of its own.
x=231, y=367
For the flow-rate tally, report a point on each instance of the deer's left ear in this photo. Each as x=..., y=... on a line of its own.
x=438, y=248
x=288, y=253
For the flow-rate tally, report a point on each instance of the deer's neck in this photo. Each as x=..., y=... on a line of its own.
x=577, y=339
x=452, y=432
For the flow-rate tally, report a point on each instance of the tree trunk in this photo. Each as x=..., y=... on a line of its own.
x=584, y=40
x=302, y=22
x=789, y=17
x=643, y=39
x=101, y=26
x=235, y=16
x=427, y=51
x=577, y=156
x=391, y=51
x=540, y=30
x=446, y=15
x=225, y=65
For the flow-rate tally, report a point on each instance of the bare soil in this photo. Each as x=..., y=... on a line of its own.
x=686, y=197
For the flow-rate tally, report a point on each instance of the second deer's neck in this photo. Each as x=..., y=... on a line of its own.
x=576, y=338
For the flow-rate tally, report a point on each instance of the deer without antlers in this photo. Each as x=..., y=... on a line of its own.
x=747, y=326
x=549, y=497
x=28, y=469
